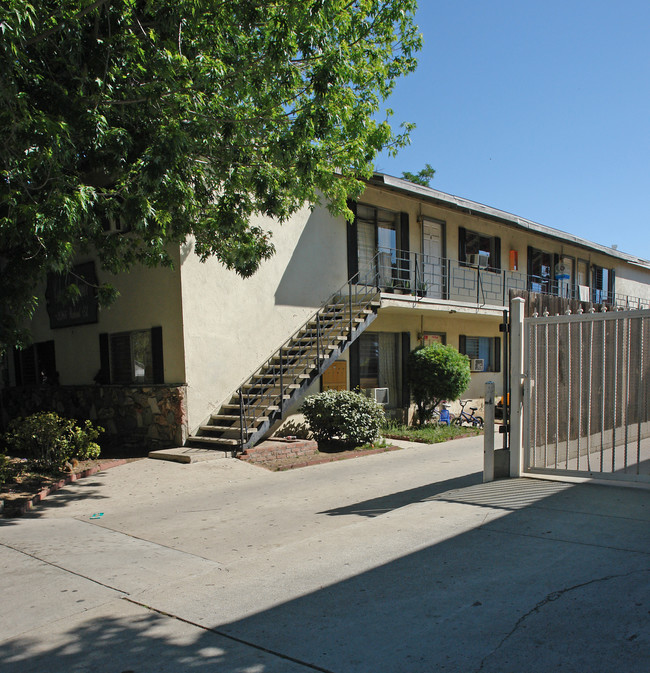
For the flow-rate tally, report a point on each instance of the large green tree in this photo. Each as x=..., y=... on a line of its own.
x=169, y=118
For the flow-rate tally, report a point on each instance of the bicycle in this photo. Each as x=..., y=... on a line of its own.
x=464, y=417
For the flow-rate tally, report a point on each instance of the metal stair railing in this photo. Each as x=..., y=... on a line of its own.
x=301, y=356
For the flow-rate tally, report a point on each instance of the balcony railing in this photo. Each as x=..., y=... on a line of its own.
x=423, y=276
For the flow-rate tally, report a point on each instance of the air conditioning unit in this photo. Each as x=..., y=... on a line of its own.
x=479, y=259
x=380, y=395
x=477, y=365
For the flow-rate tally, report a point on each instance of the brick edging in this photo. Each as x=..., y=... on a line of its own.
x=42, y=494
x=320, y=459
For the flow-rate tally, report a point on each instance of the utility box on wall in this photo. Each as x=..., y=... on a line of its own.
x=336, y=376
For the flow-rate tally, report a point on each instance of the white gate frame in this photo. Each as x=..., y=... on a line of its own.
x=517, y=378
x=521, y=390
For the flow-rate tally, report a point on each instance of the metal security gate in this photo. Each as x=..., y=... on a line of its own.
x=585, y=395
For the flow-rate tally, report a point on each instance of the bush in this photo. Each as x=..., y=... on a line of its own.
x=49, y=441
x=5, y=468
x=436, y=373
x=344, y=417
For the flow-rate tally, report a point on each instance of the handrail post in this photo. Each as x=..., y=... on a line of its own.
x=448, y=278
x=350, y=307
x=416, y=275
x=281, y=383
x=241, y=417
x=318, y=342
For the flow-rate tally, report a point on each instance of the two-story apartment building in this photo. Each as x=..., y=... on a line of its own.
x=197, y=351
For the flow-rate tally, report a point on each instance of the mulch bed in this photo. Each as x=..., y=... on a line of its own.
x=29, y=488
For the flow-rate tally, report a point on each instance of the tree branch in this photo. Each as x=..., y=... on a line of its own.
x=51, y=31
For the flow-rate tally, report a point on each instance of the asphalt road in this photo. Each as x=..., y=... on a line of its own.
x=399, y=562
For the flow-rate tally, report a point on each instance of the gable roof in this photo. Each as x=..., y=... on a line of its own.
x=472, y=207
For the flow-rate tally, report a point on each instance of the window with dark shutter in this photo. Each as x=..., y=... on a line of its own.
x=36, y=364
x=485, y=349
x=133, y=357
x=120, y=351
x=471, y=244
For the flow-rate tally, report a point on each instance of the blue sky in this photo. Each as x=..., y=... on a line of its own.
x=541, y=109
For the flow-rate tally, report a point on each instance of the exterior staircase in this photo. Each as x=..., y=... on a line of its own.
x=274, y=390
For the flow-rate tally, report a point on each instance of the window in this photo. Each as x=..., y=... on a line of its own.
x=602, y=283
x=540, y=270
x=65, y=309
x=487, y=349
x=36, y=365
x=475, y=243
x=380, y=363
x=131, y=357
x=565, y=276
x=550, y=273
x=381, y=232
x=378, y=231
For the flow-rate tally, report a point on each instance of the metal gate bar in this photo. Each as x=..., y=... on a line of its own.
x=585, y=405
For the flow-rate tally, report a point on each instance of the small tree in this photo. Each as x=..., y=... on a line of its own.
x=422, y=177
x=436, y=373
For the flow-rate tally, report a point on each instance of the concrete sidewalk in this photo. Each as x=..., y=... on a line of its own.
x=402, y=561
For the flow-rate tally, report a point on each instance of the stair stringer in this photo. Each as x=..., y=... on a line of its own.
x=276, y=419
x=274, y=389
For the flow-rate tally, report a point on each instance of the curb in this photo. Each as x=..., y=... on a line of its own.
x=41, y=495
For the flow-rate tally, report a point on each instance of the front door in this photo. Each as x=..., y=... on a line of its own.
x=432, y=282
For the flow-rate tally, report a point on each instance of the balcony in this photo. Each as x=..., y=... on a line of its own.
x=449, y=280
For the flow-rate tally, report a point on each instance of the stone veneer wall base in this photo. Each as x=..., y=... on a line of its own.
x=151, y=416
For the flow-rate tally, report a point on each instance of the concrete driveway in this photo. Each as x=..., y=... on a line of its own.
x=399, y=562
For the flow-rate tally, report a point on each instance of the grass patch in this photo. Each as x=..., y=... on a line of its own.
x=429, y=434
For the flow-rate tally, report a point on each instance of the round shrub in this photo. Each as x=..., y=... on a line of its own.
x=343, y=417
x=436, y=373
x=49, y=441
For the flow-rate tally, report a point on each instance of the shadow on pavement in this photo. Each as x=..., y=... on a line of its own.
x=557, y=579
x=388, y=503
x=87, y=488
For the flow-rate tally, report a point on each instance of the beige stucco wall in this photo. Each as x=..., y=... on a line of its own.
x=634, y=281
x=148, y=298
x=630, y=279
x=232, y=325
x=452, y=325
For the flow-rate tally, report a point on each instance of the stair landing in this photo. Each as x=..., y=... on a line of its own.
x=188, y=454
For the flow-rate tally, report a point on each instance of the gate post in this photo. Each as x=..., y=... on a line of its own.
x=516, y=385
x=488, y=433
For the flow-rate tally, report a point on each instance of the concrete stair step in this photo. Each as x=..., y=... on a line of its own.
x=235, y=419
x=215, y=441
x=225, y=428
x=287, y=376
x=268, y=386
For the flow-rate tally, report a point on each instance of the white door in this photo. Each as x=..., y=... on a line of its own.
x=432, y=281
